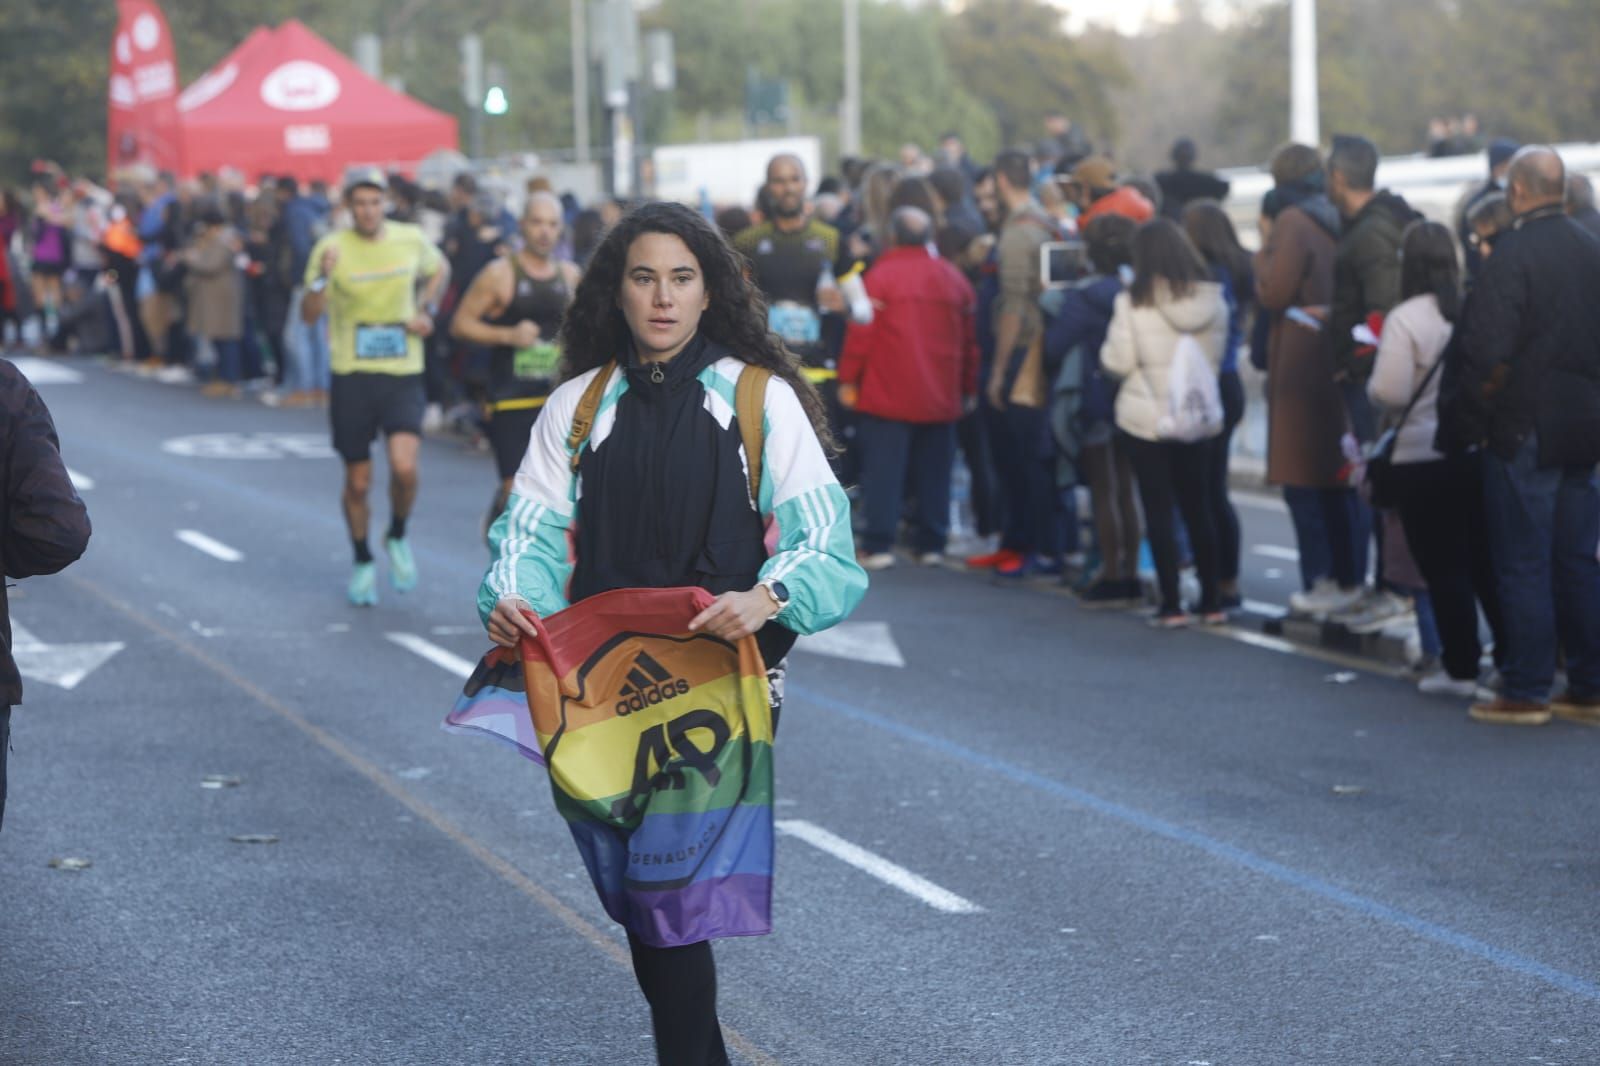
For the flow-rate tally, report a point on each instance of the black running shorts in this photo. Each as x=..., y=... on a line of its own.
x=509, y=432
x=360, y=406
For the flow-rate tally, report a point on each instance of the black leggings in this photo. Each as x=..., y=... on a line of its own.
x=1224, y=520
x=680, y=985
x=1170, y=472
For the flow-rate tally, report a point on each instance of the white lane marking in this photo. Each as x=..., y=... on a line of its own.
x=1266, y=610
x=81, y=482
x=1261, y=640
x=433, y=653
x=939, y=899
x=1260, y=502
x=62, y=665
x=214, y=548
x=1273, y=551
x=862, y=642
x=46, y=371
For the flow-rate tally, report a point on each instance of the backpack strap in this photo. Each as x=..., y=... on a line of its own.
x=749, y=406
x=588, y=407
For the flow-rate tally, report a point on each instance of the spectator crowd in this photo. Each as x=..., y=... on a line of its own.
x=1006, y=335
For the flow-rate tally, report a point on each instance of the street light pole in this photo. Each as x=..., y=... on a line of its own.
x=580, y=81
x=850, y=126
x=1303, y=106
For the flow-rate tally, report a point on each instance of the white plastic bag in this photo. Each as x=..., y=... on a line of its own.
x=1194, y=402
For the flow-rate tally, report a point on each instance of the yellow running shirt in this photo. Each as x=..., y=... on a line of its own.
x=372, y=295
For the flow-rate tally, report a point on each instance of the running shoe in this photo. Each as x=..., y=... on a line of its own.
x=873, y=562
x=991, y=560
x=402, y=567
x=363, y=588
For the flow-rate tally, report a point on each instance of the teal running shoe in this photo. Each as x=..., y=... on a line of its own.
x=364, y=585
x=402, y=567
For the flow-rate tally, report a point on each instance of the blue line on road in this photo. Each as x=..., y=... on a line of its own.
x=1370, y=908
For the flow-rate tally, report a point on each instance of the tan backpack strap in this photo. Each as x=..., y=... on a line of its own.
x=588, y=407
x=749, y=407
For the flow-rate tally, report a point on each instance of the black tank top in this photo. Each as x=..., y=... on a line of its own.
x=529, y=372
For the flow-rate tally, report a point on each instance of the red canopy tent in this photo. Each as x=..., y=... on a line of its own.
x=287, y=102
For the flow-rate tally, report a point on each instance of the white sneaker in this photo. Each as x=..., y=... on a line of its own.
x=1324, y=598
x=931, y=559
x=1383, y=610
x=432, y=419
x=1439, y=683
x=874, y=561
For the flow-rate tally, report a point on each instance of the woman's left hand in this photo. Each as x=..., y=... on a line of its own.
x=736, y=615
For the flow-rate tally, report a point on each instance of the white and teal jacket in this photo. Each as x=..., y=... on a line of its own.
x=803, y=511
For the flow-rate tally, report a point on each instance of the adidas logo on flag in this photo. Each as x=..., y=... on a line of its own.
x=648, y=683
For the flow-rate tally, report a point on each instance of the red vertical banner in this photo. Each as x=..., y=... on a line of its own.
x=142, y=124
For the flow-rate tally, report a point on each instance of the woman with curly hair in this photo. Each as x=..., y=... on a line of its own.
x=658, y=496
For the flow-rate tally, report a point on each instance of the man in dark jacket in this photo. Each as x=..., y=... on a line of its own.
x=45, y=525
x=1524, y=380
x=1366, y=269
x=1183, y=184
x=910, y=374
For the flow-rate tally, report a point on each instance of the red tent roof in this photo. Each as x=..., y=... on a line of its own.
x=287, y=102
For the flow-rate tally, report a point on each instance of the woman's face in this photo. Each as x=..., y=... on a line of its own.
x=663, y=295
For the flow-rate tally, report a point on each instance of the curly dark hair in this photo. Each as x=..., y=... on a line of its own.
x=595, y=332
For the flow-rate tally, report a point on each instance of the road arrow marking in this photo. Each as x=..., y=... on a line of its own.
x=62, y=665
x=889, y=873
x=433, y=653
x=1273, y=551
x=862, y=642
x=214, y=548
x=46, y=372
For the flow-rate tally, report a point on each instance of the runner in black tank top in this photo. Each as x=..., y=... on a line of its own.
x=514, y=307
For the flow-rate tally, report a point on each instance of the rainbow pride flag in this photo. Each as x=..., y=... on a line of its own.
x=658, y=743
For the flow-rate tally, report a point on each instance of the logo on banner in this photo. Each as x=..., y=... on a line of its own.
x=210, y=86
x=300, y=85
x=146, y=32
x=307, y=139
x=122, y=93
x=124, y=49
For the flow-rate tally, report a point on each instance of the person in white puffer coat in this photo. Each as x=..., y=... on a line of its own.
x=1171, y=297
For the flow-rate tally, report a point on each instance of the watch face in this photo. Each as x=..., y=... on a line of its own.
x=780, y=590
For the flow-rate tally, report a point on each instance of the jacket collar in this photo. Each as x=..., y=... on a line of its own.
x=1537, y=214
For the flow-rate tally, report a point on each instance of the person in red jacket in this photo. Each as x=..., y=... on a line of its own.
x=910, y=374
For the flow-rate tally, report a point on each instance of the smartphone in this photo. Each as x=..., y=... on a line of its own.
x=1062, y=262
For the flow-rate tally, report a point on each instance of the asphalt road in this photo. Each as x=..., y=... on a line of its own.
x=1127, y=846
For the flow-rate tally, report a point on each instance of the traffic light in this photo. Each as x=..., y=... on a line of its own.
x=495, y=101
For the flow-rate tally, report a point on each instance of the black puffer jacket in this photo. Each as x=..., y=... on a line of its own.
x=1526, y=356
x=43, y=524
x=1366, y=276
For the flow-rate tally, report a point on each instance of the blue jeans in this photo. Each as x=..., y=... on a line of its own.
x=896, y=456
x=1544, y=524
x=1332, y=529
x=1026, y=460
x=306, y=347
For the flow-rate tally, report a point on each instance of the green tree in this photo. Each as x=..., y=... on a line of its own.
x=1015, y=57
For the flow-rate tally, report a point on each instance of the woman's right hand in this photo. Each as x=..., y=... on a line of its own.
x=508, y=624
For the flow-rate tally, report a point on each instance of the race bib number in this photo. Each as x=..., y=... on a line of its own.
x=539, y=361
x=794, y=323
x=385, y=341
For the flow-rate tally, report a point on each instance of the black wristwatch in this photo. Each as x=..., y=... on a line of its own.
x=779, y=593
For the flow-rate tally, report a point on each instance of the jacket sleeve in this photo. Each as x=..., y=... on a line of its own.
x=811, y=549
x=1278, y=266
x=1394, y=368
x=46, y=523
x=1491, y=320
x=531, y=543
x=1119, y=355
x=858, y=338
x=1369, y=280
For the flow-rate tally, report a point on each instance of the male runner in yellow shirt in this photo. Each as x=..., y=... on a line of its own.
x=380, y=283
